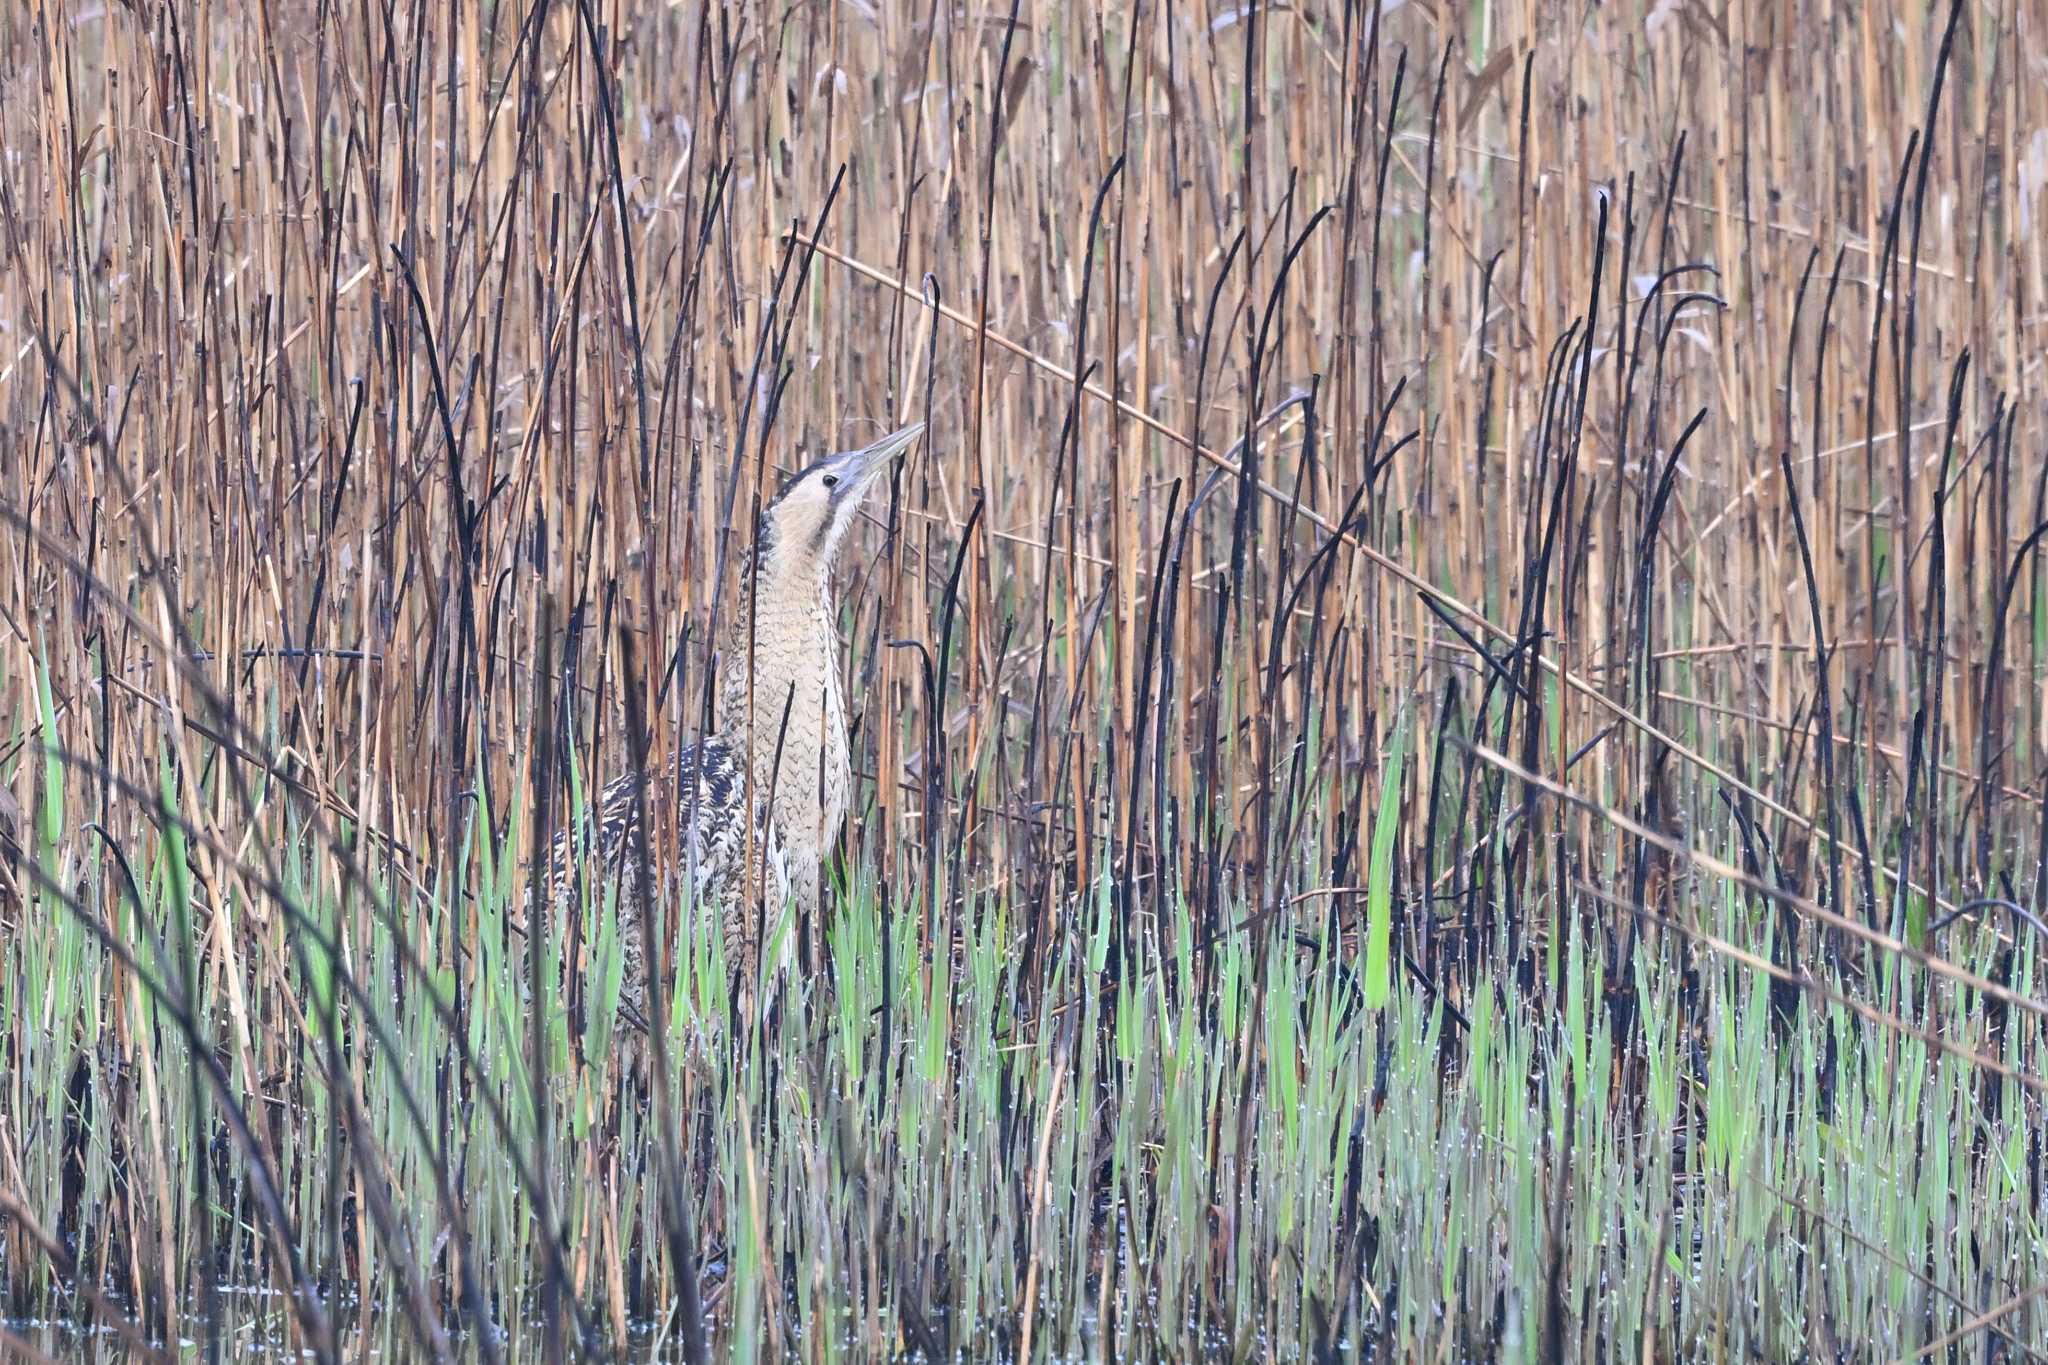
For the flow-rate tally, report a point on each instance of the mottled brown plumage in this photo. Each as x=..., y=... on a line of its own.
x=780, y=717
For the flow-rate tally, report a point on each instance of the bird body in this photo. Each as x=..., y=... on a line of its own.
x=705, y=785
x=794, y=724
x=780, y=720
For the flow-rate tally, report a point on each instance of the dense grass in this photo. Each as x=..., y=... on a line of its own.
x=1449, y=718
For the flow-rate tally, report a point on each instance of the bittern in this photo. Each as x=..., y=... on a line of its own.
x=780, y=713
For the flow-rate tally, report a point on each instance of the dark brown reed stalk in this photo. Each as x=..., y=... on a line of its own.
x=539, y=898
x=676, y=1232
x=935, y=763
x=1148, y=747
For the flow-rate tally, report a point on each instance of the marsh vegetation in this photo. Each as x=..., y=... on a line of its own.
x=1449, y=718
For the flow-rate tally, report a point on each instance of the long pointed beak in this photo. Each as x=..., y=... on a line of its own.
x=864, y=465
x=889, y=447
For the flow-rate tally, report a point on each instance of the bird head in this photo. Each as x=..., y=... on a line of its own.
x=808, y=520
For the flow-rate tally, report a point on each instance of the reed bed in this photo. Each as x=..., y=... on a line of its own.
x=1449, y=716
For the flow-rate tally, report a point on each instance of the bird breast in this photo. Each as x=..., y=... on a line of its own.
x=795, y=666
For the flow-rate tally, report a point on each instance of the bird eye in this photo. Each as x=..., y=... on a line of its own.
x=831, y=481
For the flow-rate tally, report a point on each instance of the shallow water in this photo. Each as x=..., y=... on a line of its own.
x=266, y=1334
x=253, y=1331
